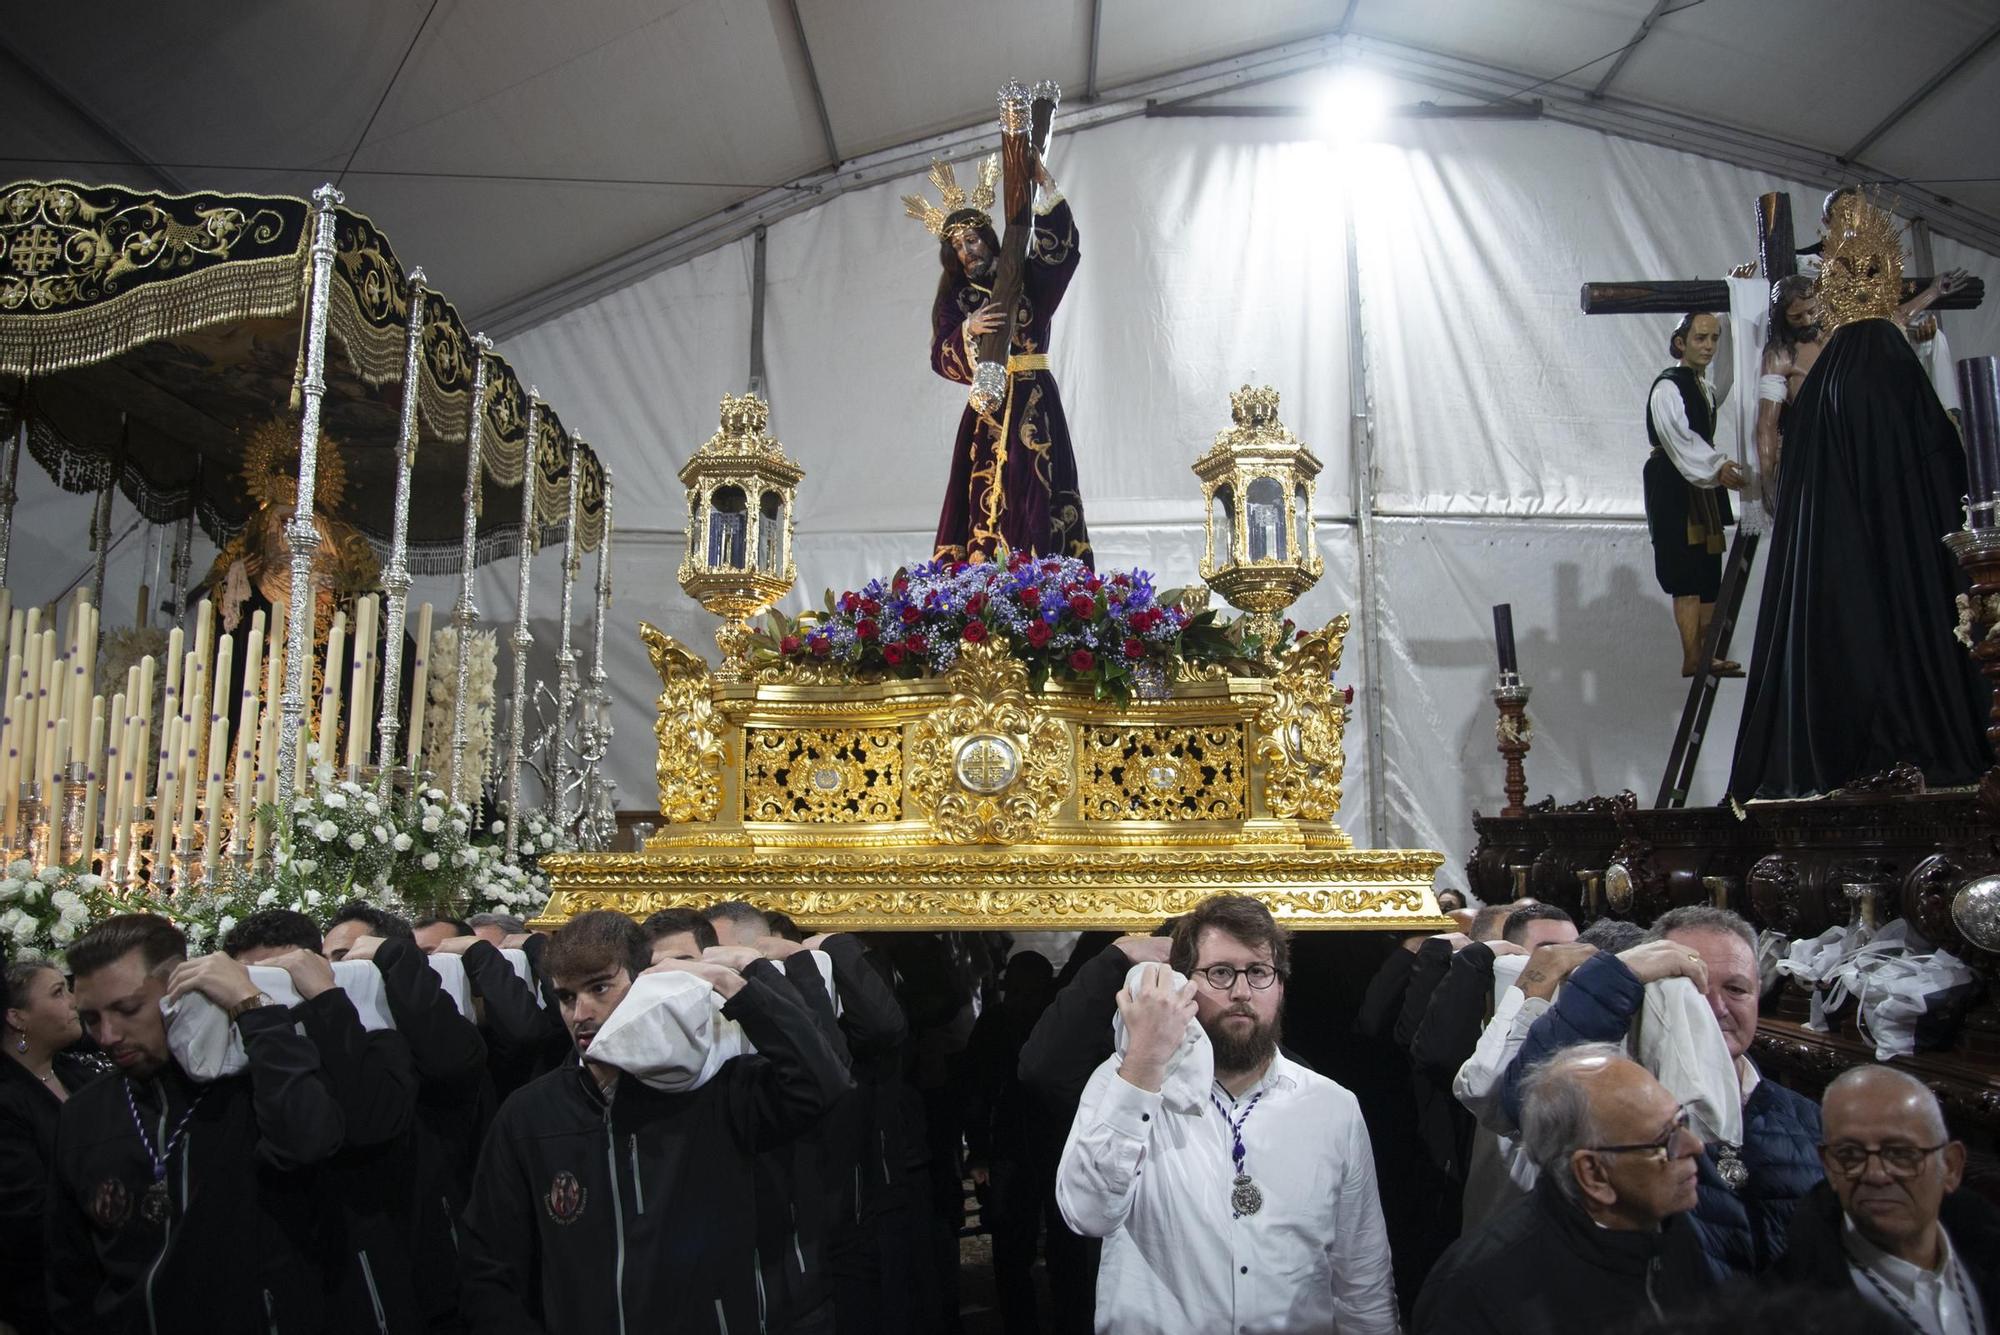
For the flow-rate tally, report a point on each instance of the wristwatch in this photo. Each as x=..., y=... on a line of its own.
x=249, y=1003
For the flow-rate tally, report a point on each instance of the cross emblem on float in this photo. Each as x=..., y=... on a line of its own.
x=986, y=764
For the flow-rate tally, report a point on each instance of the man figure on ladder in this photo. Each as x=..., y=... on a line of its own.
x=1686, y=509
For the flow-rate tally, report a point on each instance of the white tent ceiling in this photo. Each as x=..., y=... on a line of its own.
x=532, y=155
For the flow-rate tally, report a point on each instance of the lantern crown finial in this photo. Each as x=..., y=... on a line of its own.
x=744, y=415
x=1254, y=408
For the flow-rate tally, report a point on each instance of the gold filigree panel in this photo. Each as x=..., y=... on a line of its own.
x=989, y=766
x=689, y=768
x=1300, y=730
x=837, y=776
x=1164, y=773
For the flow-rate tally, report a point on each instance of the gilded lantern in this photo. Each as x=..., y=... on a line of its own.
x=1257, y=492
x=740, y=489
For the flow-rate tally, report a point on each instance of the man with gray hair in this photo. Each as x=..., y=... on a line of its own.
x=1601, y=1243
x=1890, y=1223
x=1748, y=1192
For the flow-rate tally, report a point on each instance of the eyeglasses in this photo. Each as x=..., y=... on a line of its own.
x=1663, y=1147
x=1897, y=1160
x=1222, y=977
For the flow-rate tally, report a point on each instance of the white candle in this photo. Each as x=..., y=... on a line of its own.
x=418, y=686
x=357, y=688
x=10, y=766
x=115, y=724
x=329, y=696
x=218, y=703
x=211, y=805
x=58, y=755
x=93, y=764
x=190, y=780
x=176, y=646
x=170, y=783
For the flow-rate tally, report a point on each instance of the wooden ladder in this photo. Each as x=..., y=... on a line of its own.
x=1701, y=691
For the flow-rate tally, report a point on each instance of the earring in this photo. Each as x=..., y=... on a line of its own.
x=22, y=1046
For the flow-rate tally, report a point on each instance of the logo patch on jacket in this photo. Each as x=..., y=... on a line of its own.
x=566, y=1198
x=110, y=1204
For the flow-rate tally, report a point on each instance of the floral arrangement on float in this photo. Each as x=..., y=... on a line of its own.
x=43, y=911
x=1111, y=632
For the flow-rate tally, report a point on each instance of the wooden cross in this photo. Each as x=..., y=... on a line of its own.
x=1775, y=259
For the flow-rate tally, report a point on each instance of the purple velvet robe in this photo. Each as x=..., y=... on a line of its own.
x=1013, y=474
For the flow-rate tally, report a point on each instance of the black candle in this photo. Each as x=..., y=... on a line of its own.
x=1503, y=636
x=1979, y=405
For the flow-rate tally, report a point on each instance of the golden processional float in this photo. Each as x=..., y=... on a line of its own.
x=166, y=348
x=857, y=769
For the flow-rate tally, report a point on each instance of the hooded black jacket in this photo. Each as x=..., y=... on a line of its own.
x=238, y=1249
x=592, y=1216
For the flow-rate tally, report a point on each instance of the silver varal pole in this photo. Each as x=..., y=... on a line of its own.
x=565, y=654
x=524, y=639
x=101, y=518
x=396, y=579
x=465, y=613
x=181, y=566
x=10, y=475
x=301, y=531
x=600, y=729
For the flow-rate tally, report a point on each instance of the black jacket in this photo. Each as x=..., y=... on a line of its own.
x=28, y=1116
x=1432, y=963
x=1458, y=1008
x=1815, y=1255
x=639, y=1213
x=1542, y=1267
x=454, y=1105
x=524, y=1039
x=237, y=1246
x=1383, y=1001
x=373, y=1179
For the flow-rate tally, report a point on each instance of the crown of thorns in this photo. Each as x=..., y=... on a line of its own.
x=955, y=210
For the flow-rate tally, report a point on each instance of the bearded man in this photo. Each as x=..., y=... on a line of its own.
x=1013, y=481
x=1790, y=349
x=1249, y=1204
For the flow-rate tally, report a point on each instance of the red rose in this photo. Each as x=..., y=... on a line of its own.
x=1145, y=619
x=1082, y=606
x=1093, y=584
x=870, y=607
x=864, y=630
x=1051, y=567
x=1347, y=696
x=892, y=654
x=850, y=602
x=789, y=645
x=900, y=585
x=911, y=616
x=974, y=632
x=1135, y=648
x=1016, y=560
x=819, y=644
x=1082, y=661
x=1030, y=597
x=1039, y=633
x=913, y=644
x=975, y=604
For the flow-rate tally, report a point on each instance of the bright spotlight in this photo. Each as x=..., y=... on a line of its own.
x=1353, y=107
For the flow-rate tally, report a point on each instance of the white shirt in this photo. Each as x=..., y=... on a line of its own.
x=1694, y=458
x=1154, y=1183
x=1937, y=1302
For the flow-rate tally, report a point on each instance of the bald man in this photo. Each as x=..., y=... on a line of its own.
x=1602, y=1244
x=1890, y=1223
